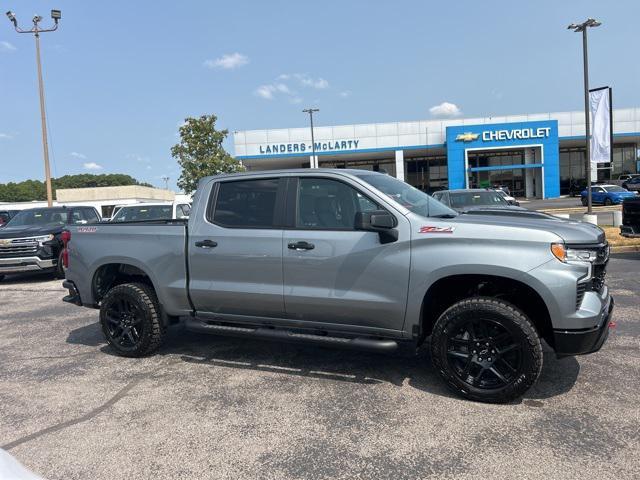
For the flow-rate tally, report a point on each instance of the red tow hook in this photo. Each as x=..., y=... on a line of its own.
x=612, y=324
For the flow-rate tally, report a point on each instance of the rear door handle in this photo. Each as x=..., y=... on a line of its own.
x=206, y=244
x=301, y=246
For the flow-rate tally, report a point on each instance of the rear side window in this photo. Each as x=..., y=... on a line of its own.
x=246, y=204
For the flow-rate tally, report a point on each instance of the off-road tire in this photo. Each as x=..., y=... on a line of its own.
x=514, y=322
x=152, y=328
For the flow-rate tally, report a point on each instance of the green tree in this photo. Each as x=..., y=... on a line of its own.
x=29, y=190
x=200, y=152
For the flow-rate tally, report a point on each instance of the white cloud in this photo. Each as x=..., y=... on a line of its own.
x=228, y=61
x=92, y=166
x=5, y=136
x=7, y=47
x=445, y=109
x=345, y=94
x=307, y=81
x=265, y=91
x=81, y=156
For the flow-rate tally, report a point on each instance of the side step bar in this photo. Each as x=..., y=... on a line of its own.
x=358, y=343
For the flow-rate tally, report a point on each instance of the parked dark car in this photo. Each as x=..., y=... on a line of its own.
x=32, y=239
x=473, y=199
x=630, y=218
x=632, y=184
x=6, y=215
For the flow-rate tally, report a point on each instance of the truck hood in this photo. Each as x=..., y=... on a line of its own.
x=30, y=231
x=571, y=231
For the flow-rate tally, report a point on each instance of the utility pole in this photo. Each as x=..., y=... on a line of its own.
x=310, y=111
x=582, y=27
x=165, y=179
x=56, y=15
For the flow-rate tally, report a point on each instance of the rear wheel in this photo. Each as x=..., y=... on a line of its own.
x=486, y=350
x=130, y=319
x=584, y=201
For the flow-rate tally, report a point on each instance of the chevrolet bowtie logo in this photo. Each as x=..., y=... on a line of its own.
x=467, y=137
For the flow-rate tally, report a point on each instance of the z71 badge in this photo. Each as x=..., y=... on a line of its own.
x=87, y=229
x=432, y=229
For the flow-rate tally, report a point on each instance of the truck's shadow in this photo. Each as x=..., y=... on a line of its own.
x=558, y=376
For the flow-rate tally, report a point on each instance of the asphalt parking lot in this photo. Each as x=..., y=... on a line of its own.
x=227, y=408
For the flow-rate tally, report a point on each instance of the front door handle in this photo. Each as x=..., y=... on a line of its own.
x=206, y=244
x=301, y=246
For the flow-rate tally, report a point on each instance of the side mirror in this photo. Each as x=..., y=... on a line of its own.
x=379, y=221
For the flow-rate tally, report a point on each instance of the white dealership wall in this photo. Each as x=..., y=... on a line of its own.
x=395, y=139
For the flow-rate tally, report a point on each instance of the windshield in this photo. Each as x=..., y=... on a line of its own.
x=409, y=197
x=476, y=199
x=44, y=216
x=144, y=212
x=615, y=188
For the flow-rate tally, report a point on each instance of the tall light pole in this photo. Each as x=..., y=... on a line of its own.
x=582, y=27
x=310, y=111
x=56, y=15
x=165, y=179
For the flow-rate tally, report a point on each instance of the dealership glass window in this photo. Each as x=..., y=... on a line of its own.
x=495, y=158
x=428, y=174
x=387, y=166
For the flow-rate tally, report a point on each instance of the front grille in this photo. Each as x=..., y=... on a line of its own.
x=598, y=271
x=582, y=288
x=20, y=249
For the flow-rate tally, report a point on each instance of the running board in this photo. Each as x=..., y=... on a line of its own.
x=358, y=343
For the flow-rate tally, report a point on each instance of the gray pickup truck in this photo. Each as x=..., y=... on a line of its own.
x=351, y=258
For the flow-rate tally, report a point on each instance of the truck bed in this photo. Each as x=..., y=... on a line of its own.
x=157, y=247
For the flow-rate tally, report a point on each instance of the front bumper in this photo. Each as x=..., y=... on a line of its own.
x=581, y=342
x=25, y=264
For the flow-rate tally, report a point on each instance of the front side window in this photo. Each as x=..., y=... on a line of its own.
x=329, y=204
x=246, y=203
x=409, y=197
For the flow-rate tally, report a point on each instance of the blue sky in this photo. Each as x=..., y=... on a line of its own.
x=120, y=76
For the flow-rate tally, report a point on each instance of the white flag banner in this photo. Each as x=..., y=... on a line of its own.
x=599, y=101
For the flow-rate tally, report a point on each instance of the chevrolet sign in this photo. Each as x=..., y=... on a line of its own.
x=467, y=137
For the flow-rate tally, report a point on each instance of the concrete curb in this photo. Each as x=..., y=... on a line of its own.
x=625, y=249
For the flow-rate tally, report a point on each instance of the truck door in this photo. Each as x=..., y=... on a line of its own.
x=335, y=274
x=235, y=249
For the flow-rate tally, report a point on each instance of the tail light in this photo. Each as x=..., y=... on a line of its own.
x=66, y=238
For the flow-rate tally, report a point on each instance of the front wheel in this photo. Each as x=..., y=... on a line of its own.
x=60, y=268
x=130, y=319
x=608, y=202
x=486, y=350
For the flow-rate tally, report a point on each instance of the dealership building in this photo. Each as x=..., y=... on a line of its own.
x=538, y=155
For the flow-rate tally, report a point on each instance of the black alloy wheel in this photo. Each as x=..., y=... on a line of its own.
x=486, y=349
x=484, y=354
x=130, y=319
x=124, y=323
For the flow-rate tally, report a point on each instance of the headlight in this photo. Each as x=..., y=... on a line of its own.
x=564, y=254
x=43, y=238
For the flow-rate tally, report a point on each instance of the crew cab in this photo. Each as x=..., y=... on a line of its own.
x=351, y=259
x=31, y=240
